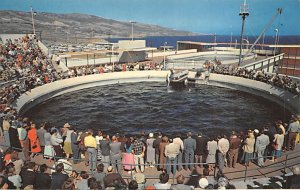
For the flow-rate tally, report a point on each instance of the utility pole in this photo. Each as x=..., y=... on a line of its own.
x=244, y=12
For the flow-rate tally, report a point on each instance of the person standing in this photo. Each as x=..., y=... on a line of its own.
x=262, y=141
x=105, y=151
x=201, y=149
x=248, y=148
x=278, y=143
x=223, y=147
x=156, y=144
x=128, y=158
x=162, y=156
x=49, y=150
x=150, y=150
x=115, y=154
x=212, y=147
x=233, y=152
x=91, y=145
x=34, y=141
x=178, y=141
x=293, y=129
x=6, y=126
x=189, y=148
x=75, y=147
x=56, y=140
x=41, y=134
x=14, y=137
x=138, y=149
x=67, y=143
x=171, y=152
x=24, y=141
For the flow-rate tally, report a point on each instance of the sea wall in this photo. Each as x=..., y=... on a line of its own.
x=48, y=91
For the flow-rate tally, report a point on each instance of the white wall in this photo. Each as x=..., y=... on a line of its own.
x=48, y=91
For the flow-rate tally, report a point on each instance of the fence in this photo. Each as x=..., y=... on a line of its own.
x=267, y=64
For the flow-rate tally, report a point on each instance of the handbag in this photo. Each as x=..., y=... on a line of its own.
x=275, y=145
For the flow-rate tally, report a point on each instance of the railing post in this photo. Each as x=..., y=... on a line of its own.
x=246, y=173
x=285, y=163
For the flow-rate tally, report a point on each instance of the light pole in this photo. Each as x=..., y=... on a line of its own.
x=132, y=22
x=32, y=13
x=165, y=55
x=276, y=40
x=244, y=12
x=113, y=62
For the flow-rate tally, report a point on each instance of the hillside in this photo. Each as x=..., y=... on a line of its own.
x=77, y=27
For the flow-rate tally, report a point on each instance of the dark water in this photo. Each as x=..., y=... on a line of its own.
x=157, y=41
x=150, y=107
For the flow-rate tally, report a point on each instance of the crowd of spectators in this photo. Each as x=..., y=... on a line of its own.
x=118, y=154
x=23, y=66
x=283, y=81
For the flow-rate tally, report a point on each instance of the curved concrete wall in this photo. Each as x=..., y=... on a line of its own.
x=48, y=91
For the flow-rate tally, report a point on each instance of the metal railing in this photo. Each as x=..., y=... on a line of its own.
x=281, y=165
x=266, y=64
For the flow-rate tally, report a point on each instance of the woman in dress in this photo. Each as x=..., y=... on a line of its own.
x=162, y=156
x=212, y=147
x=248, y=148
x=67, y=143
x=34, y=141
x=150, y=150
x=48, y=151
x=278, y=143
x=128, y=159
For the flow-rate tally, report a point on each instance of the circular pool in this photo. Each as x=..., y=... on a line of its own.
x=149, y=107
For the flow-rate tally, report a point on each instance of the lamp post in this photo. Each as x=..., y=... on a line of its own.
x=165, y=55
x=32, y=13
x=276, y=40
x=113, y=62
x=132, y=22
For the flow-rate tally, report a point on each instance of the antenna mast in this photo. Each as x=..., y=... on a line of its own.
x=244, y=12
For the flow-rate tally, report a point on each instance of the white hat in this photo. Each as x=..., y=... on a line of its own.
x=150, y=135
x=67, y=125
x=256, y=131
x=203, y=182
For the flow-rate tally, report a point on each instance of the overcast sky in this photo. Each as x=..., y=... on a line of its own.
x=201, y=16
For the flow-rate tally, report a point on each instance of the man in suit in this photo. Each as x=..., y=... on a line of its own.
x=189, y=148
x=75, y=146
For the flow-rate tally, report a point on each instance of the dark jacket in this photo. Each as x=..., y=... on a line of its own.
x=43, y=181
x=105, y=148
x=111, y=179
x=58, y=180
x=201, y=146
x=28, y=177
x=234, y=143
x=156, y=144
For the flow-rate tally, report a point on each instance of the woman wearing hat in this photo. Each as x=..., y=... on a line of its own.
x=67, y=143
x=150, y=150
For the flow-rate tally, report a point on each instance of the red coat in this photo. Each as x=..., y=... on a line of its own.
x=34, y=141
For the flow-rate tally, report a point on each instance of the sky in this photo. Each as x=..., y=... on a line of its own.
x=219, y=17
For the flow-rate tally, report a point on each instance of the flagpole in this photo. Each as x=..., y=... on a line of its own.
x=32, y=21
